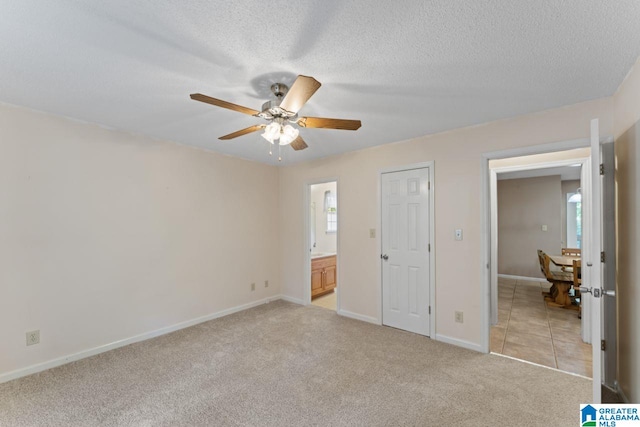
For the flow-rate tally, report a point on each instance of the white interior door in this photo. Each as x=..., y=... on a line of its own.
x=405, y=250
x=592, y=265
x=609, y=306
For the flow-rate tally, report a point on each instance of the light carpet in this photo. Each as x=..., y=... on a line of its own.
x=283, y=364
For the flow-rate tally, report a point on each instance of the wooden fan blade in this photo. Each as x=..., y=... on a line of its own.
x=302, y=89
x=243, y=132
x=224, y=104
x=299, y=144
x=320, y=122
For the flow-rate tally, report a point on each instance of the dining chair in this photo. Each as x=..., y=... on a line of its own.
x=543, y=268
x=571, y=251
x=562, y=282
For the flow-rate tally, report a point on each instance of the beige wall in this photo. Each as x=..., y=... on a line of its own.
x=325, y=242
x=524, y=206
x=458, y=186
x=106, y=235
x=627, y=143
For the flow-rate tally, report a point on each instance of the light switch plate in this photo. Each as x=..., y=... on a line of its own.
x=544, y=227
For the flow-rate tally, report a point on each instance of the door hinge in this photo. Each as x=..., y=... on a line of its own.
x=602, y=256
x=428, y=185
x=603, y=345
x=429, y=247
x=601, y=169
x=429, y=309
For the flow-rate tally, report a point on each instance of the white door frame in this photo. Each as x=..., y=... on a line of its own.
x=432, y=229
x=306, y=283
x=486, y=264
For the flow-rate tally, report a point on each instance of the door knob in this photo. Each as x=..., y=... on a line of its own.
x=384, y=257
x=596, y=292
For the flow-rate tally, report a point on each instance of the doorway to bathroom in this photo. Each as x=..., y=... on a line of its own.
x=323, y=244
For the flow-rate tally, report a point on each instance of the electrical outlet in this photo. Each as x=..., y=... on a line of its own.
x=33, y=337
x=459, y=317
x=458, y=234
x=544, y=227
x=266, y=283
x=253, y=286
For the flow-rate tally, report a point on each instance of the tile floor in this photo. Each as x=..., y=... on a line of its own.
x=329, y=301
x=530, y=330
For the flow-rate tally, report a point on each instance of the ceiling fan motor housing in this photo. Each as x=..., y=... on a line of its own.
x=279, y=90
x=271, y=109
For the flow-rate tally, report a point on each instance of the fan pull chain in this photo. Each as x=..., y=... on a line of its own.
x=279, y=152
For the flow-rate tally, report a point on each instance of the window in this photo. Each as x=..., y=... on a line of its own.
x=574, y=221
x=331, y=209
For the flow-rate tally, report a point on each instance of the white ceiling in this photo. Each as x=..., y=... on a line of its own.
x=405, y=69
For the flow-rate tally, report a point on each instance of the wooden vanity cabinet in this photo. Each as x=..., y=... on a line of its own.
x=323, y=275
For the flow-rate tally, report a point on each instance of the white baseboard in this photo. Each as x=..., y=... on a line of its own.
x=459, y=343
x=529, y=279
x=292, y=299
x=357, y=316
x=39, y=367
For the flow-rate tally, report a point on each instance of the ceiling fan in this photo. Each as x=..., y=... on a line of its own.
x=281, y=112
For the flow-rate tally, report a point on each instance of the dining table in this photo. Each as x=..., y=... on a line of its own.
x=563, y=260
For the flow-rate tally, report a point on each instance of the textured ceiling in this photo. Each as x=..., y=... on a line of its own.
x=405, y=69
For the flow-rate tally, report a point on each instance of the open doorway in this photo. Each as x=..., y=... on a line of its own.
x=323, y=244
x=536, y=237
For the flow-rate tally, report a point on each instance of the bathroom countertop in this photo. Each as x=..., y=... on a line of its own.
x=322, y=254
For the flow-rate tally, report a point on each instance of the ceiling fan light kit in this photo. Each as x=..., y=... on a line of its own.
x=282, y=113
x=286, y=134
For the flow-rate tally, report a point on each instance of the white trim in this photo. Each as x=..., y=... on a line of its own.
x=539, y=149
x=585, y=184
x=486, y=259
x=400, y=168
x=360, y=317
x=542, y=165
x=529, y=279
x=306, y=197
x=493, y=269
x=460, y=343
x=292, y=299
x=592, y=275
x=430, y=165
x=39, y=367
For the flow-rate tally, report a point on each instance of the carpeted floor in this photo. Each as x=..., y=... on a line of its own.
x=282, y=364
